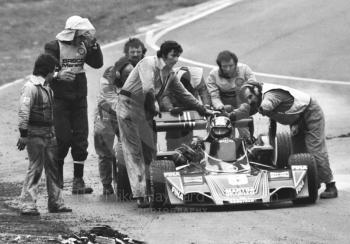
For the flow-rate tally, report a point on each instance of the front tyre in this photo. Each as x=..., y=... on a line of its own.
x=283, y=149
x=160, y=197
x=311, y=176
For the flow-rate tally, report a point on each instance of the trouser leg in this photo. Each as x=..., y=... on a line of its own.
x=62, y=113
x=103, y=142
x=80, y=130
x=133, y=132
x=54, y=192
x=315, y=140
x=35, y=148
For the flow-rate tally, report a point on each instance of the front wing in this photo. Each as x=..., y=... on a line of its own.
x=264, y=186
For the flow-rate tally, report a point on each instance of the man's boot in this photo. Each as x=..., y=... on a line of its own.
x=330, y=192
x=108, y=189
x=79, y=187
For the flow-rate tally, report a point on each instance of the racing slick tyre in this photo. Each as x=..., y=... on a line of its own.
x=312, y=176
x=160, y=198
x=123, y=188
x=283, y=149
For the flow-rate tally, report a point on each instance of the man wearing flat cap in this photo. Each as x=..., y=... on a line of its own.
x=73, y=47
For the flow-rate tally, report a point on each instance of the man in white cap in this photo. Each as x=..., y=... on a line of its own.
x=73, y=47
x=192, y=79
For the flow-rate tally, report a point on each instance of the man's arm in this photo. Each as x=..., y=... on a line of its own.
x=214, y=92
x=94, y=57
x=108, y=95
x=52, y=48
x=270, y=102
x=203, y=92
x=146, y=71
x=25, y=105
x=180, y=91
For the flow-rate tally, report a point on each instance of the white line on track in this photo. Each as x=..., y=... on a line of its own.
x=203, y=10
x=152, y=38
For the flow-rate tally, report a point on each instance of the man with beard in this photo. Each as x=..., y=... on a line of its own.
x=137, y=105
x=224, y=83
x=105, y=123
x=305, y=117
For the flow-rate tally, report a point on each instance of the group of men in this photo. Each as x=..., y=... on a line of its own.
x=132, y=92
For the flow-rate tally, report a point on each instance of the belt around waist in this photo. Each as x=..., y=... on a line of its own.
x=125, y=93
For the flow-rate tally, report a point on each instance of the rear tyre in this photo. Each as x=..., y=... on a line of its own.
x=160, y=198
x=123, y=188
x=283, y=149
x=311, y=177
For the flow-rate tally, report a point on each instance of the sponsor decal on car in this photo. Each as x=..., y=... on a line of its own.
x=236, y=180
x=166, y=174
x=193, y=179
x=239, y=191
x=244, y=200
x=300, y=187
x=299, y=167
x=177, y=193
x=281, y=174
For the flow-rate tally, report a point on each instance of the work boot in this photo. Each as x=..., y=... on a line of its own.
x=330, y=192
x=143, y=202
x=108, y=189
x=79, y=187
x=30, y=211
x=60, y=209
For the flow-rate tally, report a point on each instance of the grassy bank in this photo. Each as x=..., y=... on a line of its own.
x=28, y=24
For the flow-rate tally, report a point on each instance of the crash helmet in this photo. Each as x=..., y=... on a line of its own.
x=220, y=127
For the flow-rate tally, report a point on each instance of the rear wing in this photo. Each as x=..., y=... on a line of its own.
x=187, y=120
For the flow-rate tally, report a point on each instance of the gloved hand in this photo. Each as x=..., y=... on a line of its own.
x=228, y=108
x=233, y=116
x=176, y=111
x=221, y=108
x=203, y=111
x=22, y=142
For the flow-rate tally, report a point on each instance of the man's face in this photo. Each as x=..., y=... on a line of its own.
x=171, y=59
x=135, y=54
x=228, y=68
x=252, y=99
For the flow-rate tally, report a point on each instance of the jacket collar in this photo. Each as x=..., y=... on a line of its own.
x=37, y=80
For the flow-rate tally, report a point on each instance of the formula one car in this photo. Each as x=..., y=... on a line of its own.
x=224, y=168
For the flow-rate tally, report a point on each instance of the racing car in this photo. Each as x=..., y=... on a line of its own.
x=224, y=168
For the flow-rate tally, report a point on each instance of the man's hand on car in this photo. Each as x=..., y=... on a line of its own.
x=175, y=111
x=228, y=108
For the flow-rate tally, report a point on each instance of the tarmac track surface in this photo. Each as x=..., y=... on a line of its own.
x=295, y=38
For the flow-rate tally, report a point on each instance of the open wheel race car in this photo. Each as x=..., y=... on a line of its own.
x=226, y=169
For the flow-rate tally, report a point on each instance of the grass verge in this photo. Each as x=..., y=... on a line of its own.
x=29, y=24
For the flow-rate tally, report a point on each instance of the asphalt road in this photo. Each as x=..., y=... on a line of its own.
x=291, y=38
x=295, y=38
